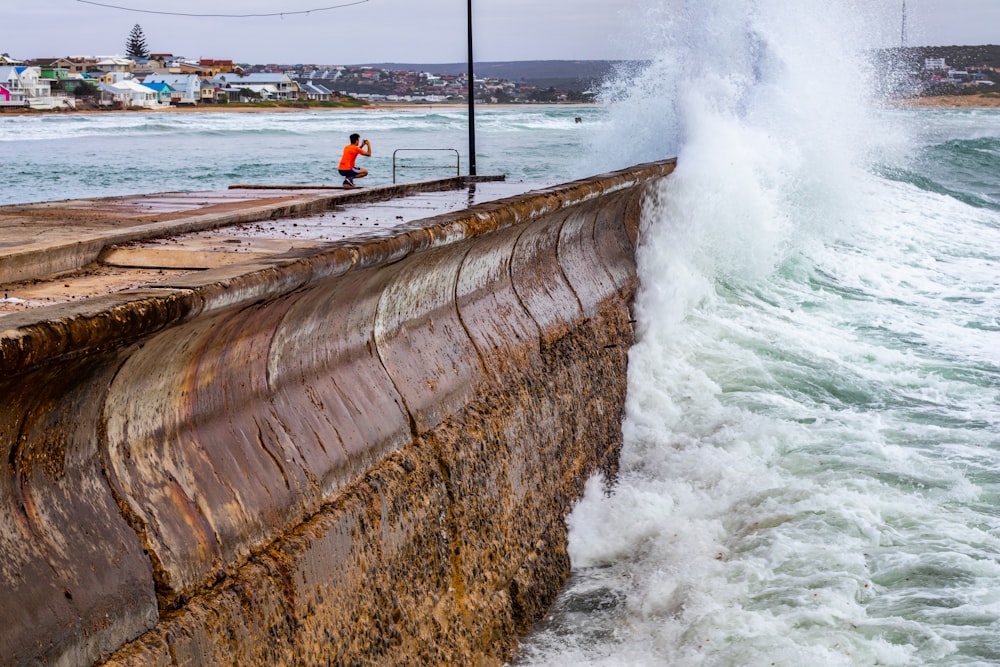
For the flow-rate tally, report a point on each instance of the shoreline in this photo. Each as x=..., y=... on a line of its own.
x=933, y=102
x=949, y=102
x=207, y=108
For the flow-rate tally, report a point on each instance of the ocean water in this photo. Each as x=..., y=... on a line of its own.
x=53, y=157
x=811, y=467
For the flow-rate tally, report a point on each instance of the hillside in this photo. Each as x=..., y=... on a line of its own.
x=563, y=74
x=958, y=57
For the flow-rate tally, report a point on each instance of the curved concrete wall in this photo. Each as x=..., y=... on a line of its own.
x=359, y=455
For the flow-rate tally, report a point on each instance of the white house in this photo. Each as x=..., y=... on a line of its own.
x=25, y=87
x=13, y=90
x=33, y=83
x=116, y=64
x=186, y=87
x=315, y=92
x=134, y=94
x=270, y=86
x=112, y=96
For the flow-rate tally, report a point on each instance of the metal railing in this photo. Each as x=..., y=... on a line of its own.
x=423, y=166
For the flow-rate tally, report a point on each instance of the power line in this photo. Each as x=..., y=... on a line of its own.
x=228, y=16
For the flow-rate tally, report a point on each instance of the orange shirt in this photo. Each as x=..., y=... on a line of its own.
x=351, y=153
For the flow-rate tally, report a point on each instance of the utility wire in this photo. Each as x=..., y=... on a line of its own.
x=228, y=16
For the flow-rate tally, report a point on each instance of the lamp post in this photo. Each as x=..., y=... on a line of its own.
x=472, y=103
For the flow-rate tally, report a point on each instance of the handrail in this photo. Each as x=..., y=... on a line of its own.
x=423, y=166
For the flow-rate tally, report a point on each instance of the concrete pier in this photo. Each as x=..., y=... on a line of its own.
x=232, y=445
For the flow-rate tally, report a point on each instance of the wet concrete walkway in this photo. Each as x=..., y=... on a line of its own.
x=57, y=252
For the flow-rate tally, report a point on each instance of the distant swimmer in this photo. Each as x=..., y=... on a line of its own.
x=347, y=159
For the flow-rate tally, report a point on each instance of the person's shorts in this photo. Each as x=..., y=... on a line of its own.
x=349, y=173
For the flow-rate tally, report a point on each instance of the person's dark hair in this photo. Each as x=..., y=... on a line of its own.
x=355, y=137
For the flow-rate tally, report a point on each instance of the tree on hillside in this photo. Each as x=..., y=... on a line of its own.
x=85, y=89
x=135, y=47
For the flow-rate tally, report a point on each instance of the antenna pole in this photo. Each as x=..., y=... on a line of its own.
x=902, y=34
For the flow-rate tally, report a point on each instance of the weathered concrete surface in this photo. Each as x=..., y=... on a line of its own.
x=194, y=239
x=355, y=453
x=32, y=246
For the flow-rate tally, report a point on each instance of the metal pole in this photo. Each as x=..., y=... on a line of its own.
x=472, y=103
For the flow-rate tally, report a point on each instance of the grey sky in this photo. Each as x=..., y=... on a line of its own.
x=953, y=22
x=401, y=30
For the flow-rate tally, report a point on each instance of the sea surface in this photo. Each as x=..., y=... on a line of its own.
x=811, y=467
x=66, y=156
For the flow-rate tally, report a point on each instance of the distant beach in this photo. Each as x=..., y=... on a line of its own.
x=211, y=108
x=952, y=102
x=937, y=101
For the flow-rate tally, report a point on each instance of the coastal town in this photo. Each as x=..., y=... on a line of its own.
x=150, y=81
x=160, y=81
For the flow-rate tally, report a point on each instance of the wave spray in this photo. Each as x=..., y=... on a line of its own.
x=806, y=478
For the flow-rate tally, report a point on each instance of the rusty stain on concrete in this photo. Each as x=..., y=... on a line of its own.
x=355, y=452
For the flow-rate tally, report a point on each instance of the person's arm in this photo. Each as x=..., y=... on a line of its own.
x=366, y=148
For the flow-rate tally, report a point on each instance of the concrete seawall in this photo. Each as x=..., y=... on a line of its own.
x=355, y=454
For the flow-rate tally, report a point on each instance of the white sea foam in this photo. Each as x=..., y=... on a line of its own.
x=87, y=155
x=809, y=469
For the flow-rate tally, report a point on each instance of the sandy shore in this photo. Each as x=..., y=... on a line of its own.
x=952, y=101
x=938, y=101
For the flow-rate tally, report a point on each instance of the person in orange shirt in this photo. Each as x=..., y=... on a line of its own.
x=347, y=159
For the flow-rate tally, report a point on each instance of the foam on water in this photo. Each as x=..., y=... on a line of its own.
x=89, y=155
x=809, y=473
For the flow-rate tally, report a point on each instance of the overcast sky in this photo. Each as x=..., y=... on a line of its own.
x=430, y=31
